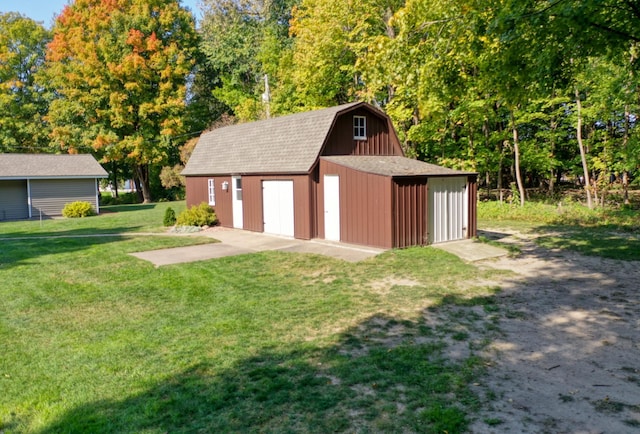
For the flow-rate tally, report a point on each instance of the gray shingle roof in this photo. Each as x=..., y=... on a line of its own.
x=287, y=144
x=21, y=166
x=391, y=165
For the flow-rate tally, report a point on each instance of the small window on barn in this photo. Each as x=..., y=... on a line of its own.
x=212, y=192
x=238, y=182
x=359, y=128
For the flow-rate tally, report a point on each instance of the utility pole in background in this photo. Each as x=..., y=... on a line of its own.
x=266, y=96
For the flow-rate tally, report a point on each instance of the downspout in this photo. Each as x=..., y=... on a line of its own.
x=95, y=183
x=29, y=198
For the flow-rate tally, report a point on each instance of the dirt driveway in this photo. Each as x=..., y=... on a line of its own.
x=566, y=358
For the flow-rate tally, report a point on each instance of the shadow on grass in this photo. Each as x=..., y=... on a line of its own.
x=126, y=208
x=565, y=350
x=600, y=241
x=384, y=375
x=70, y=233
x=16, y=250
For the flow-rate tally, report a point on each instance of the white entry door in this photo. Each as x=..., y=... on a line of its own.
x=332, y=207
x=277, y=207
x=236, y=192
x=448, y=210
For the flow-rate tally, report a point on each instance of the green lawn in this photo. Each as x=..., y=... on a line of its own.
x=607, y=232
x=95, y=340
x=112, y=219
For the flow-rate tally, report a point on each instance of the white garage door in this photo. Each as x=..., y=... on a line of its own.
x=448, y=213
x=277, y=200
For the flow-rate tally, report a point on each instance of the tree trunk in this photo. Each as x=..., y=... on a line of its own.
x=583, y=154
x=485, y=134
x=500, y=149
x=552, y=175
x=114, y=167
x=487, y=180
x=471, y=153
x=142, y=175
x=137, y=187
x=500, y=178
x=625, y=144
x=516, y=152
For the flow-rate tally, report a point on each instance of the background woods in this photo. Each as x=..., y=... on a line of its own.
x=530, y=94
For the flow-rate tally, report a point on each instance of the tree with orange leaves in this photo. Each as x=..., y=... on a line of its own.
x=119, y=69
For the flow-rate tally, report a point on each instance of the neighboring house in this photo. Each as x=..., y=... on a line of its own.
x=337, y=174
x=39, y=185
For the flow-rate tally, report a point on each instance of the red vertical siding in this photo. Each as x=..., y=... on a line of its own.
x=381, y=140
x=197, y=188
x=364, y=203
x=410, y=212
x=304, y=207
x=252, y=203
x=472, y=231
x=314, y=198
x=253, y=207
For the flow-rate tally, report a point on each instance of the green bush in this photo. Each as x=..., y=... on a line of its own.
x=123, y=199
x=169, y=217
x=200, y=215
x=78, y=209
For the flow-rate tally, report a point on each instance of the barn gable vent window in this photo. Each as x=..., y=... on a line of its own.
x=359, y=128
x=212, y=192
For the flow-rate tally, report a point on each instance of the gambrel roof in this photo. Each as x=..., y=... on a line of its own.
x=286, y=144
x=392, y=165
x=23, y=166
x=292, y=144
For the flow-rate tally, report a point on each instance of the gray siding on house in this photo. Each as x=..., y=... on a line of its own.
x=14, y=203
x=49, y=196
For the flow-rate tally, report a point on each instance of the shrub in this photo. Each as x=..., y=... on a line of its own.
x=170, y=176
x=78, y=209
x=200, y=215
x=122, y=199
x=169, y=217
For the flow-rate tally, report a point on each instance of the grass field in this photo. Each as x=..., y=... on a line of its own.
x=607, y=232
x=95, y=340
x=112, y=219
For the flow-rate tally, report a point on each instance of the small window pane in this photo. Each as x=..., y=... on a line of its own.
x=212, y=192
x=359, y=127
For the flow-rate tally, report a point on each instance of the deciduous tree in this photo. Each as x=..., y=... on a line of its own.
x=120, y=68
x=330, y=37
x=23, y=103
x=243, y=41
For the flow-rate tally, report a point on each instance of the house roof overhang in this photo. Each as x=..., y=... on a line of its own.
x=393, y=166
x=49, y=166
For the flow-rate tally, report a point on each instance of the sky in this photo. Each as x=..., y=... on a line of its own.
x=44, y=10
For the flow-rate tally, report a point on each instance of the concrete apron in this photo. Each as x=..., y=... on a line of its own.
x=472, y=251
x=238, y=242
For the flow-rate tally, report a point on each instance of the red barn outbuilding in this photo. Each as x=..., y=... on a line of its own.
x=337, y=174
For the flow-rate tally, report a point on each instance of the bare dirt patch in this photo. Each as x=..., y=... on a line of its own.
x=566, y=356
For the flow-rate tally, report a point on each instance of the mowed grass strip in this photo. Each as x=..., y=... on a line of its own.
x=112, y=219
x=606, y=232
x=95, y=340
